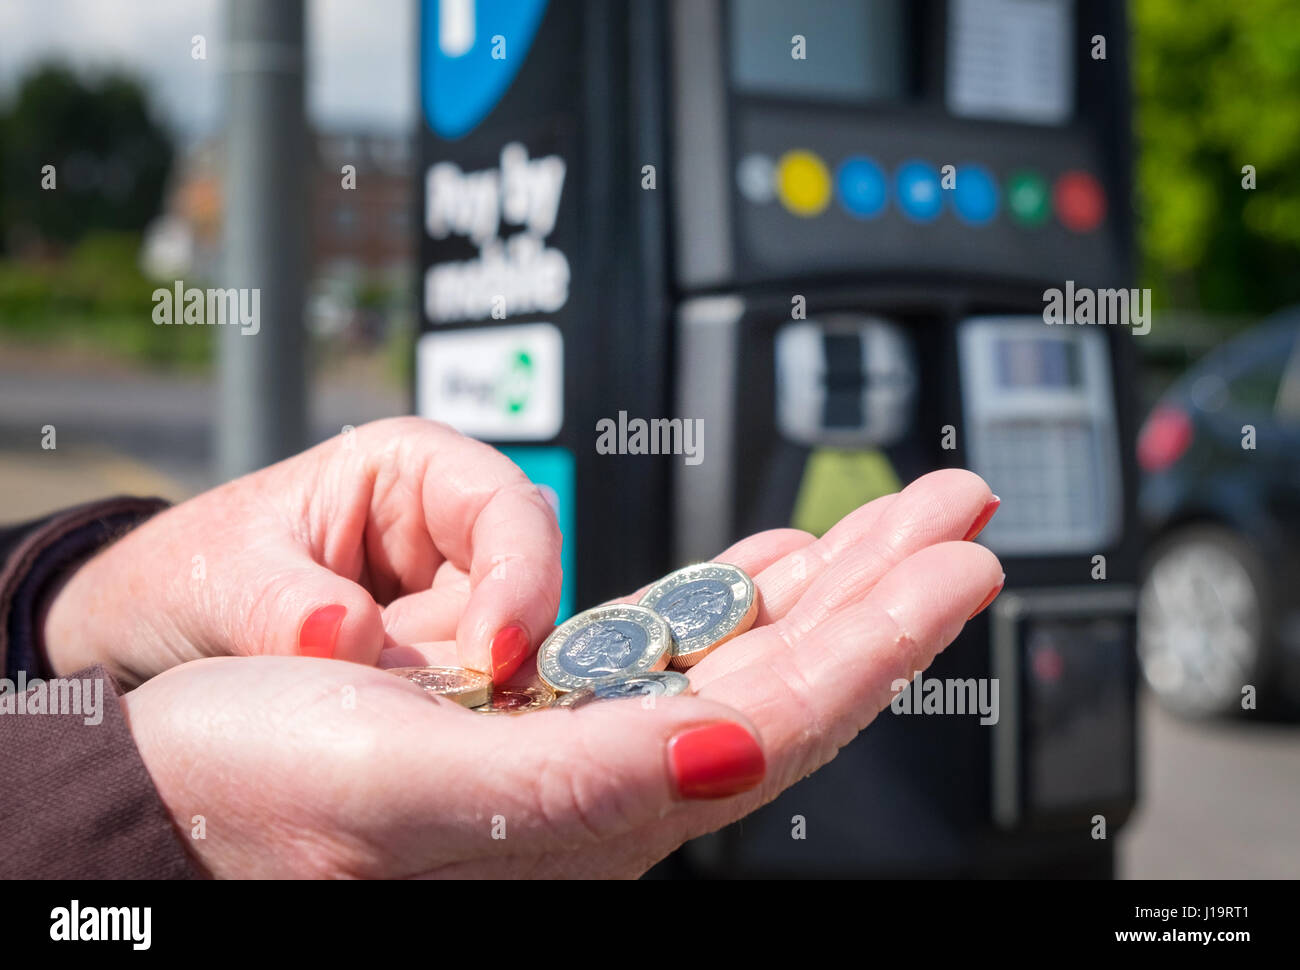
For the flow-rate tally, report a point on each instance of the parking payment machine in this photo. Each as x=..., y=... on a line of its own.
x=823, y=232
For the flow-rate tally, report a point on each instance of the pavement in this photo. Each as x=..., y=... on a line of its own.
x=1218, y=800
x=118, y=430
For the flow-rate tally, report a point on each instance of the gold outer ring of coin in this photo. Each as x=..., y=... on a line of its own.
x=740, y=618
x=575, y=698
x=469, y=688
x=517, y=700
x=655, y=657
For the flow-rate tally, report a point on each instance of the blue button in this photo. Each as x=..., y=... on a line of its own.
x=862, y=188
x=918, y=191
x=976, y=196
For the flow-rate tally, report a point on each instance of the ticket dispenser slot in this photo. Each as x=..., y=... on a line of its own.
x=847, y=381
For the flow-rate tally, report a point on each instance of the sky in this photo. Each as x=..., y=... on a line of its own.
x=360, y=55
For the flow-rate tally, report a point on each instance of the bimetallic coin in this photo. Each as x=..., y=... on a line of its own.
x=705, y=605
x=604, y=643
x=663, y=683
x=470, y=688
x=517, y=700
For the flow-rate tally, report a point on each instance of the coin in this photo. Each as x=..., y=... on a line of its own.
x=604, y=643
x=705, y=605
x=663, y=683
x=517, y=700
x=470, y=688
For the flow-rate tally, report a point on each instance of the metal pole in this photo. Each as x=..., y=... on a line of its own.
x=262, y=416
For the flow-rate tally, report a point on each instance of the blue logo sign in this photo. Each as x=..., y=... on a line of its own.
x=471, y=52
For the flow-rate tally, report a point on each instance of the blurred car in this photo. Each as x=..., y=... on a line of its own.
x=1220, y=452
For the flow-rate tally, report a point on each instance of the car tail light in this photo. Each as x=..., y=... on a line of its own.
x=1164, y=439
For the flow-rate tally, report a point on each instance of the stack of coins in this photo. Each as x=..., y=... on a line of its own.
x=620, y=651
x=663, y=683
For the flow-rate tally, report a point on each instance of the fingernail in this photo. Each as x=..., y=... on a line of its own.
x=989, y=599
x=320, y=631
x=508, y=649
x=715, y=761
x=982, y=519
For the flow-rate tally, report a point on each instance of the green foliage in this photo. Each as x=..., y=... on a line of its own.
x=111, y=162
x=111, y=158
x=96, y=297
x=1217, y=86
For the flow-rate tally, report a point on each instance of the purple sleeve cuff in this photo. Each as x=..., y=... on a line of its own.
x=77, y=801
x=40, y=556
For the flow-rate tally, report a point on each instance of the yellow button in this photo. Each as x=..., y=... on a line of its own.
x=803, y=183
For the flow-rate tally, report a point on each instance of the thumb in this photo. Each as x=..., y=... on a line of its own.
x=312, y=612
x=565, y=778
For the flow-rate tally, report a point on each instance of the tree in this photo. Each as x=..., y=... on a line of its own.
x=111, y=158
x=1218, y=88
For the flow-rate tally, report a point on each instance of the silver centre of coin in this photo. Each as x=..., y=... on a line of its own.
x=704, y=604
x=697, y=607
x=663, y=683
x=604, y=643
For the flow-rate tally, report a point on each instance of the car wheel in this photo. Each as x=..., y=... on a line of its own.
x=1202, y=624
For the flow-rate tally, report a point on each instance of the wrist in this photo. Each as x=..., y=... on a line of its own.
x=37, y=568
x=67, y=640
x=98, y=605
x=166, y=765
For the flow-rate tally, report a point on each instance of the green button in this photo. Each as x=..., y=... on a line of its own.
x=1027, y=198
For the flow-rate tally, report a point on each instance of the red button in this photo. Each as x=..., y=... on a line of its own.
x=1080, y=202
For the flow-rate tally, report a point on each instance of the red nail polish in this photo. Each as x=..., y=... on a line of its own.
x=982, y=519
x=715, y=761
x=988, y=599
x=508, y=650
x=320, y=631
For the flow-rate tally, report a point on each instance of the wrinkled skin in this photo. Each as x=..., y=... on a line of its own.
x=313, y=767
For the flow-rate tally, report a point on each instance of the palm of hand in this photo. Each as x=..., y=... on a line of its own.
x=306, y=767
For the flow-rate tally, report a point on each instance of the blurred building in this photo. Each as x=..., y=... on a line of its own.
x=359, y=247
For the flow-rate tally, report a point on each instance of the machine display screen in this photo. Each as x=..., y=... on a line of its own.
x=853, y=49
x=1037, y=364
x=1011, y=60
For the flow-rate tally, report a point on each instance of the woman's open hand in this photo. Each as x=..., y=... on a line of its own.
x=303, y=767
x=398, y=531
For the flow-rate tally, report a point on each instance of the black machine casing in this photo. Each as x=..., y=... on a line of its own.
x=677, y=295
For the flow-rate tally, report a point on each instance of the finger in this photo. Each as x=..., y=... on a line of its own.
x=938, y=507
x=562, y=780
x=782, y=581
x=810, y=690
x=440, y=653
x=490, y=521
x=431, y=614
x=304, y=609
x=755, y=553
x=937, y=513
x=752, y=554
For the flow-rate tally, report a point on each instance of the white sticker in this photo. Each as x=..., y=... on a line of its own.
x=502, y=383
x=1011, y=60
